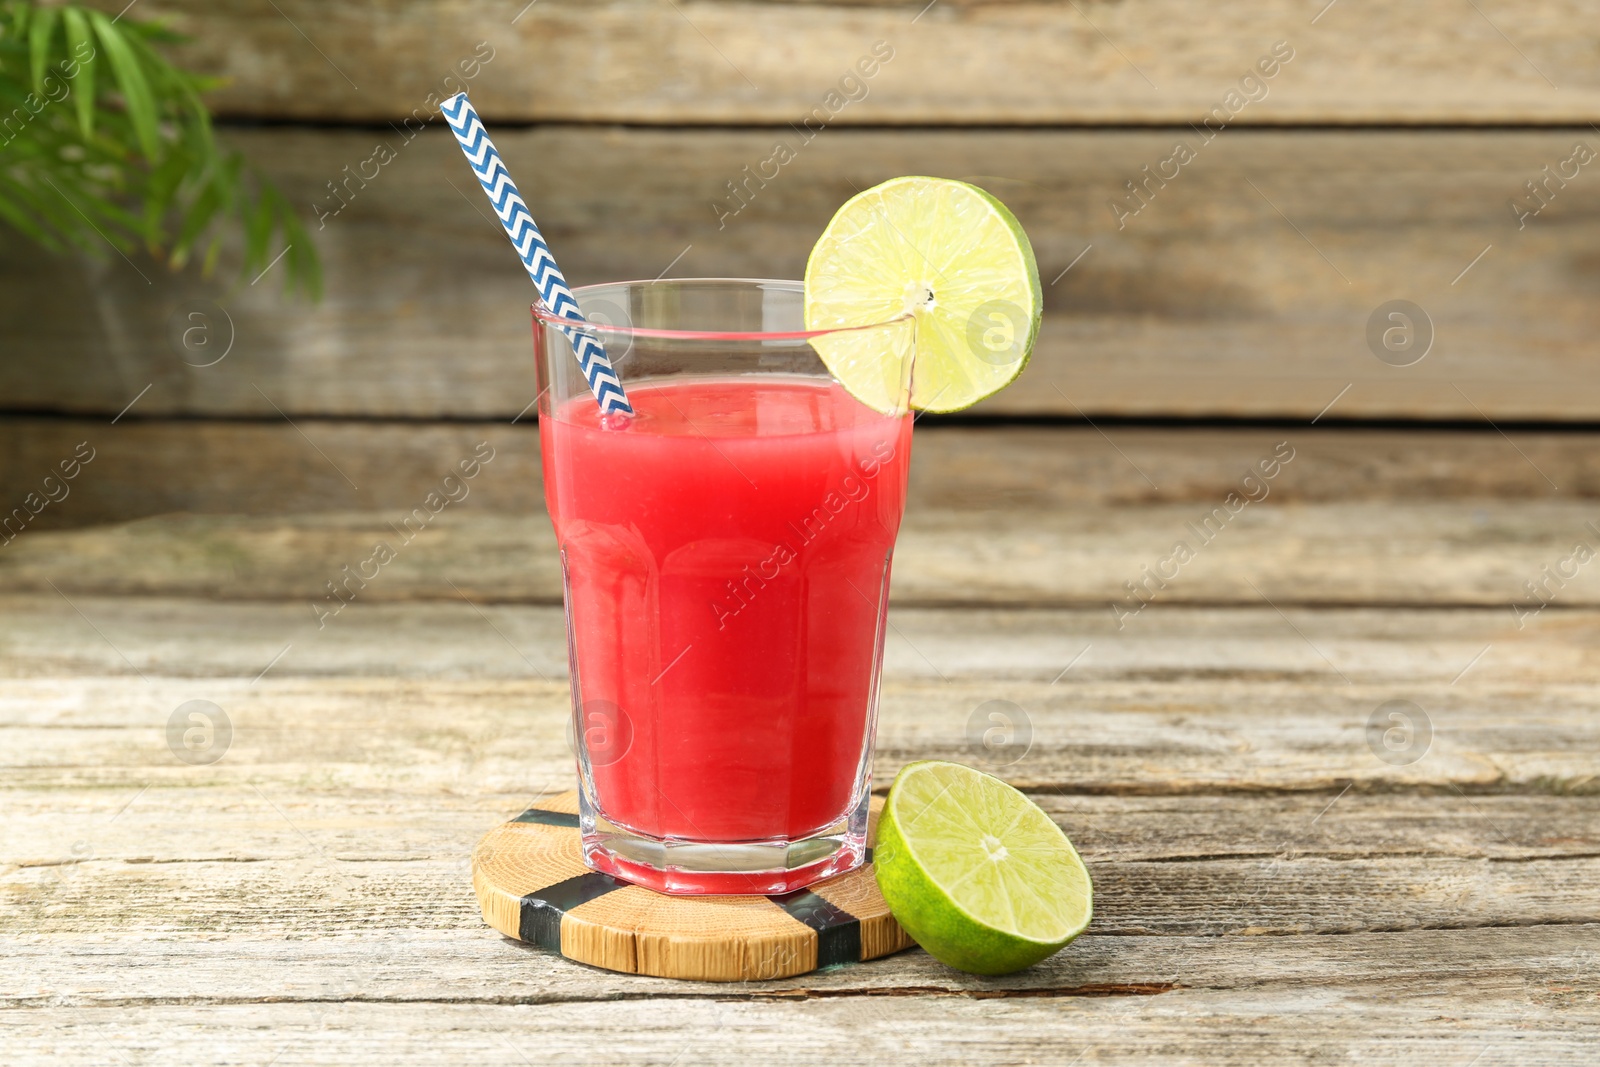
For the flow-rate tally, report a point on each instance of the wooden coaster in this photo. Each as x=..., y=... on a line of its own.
x=533, y=885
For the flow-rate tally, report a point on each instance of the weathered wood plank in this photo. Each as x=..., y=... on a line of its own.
x=312, y=895
x=145, y=468
x=43, y=636
x=1454, y=552
x=1215, y=299
x=61, y=829
x=1191, y=735
x=253, y=468
x=392, y=965
x=1334, y=1024
x=964, y=61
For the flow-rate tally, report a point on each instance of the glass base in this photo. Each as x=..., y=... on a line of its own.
x=680, y=866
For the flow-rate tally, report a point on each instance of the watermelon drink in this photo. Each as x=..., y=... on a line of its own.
x=726, y=555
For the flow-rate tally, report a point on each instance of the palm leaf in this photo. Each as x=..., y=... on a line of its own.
x=136, y=95
x=14, y=202
x=204, y=208
x=40, y=29
x=133, y=161
x=79, y=40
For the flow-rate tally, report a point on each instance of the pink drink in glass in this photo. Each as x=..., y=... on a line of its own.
x=726, y=551
x=727, y=559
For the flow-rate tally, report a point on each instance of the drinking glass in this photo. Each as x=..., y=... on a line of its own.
x=725, y=552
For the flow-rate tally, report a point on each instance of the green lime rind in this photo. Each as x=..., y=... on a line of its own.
x=940, y=830
x=891, y=247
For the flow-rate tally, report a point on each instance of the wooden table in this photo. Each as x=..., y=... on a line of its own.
x=1269, y=889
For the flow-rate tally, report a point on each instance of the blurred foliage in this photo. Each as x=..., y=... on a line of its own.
x=103, y=140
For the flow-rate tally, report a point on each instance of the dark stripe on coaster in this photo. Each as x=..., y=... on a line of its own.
x=838, y=932
x=549, y=818
x=540, y=923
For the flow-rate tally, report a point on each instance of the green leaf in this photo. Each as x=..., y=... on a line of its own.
x=301, y=266
x=12, y=209
x=303, y=263
x=52, y=208
x=198, y=216
x=161, y=191
x=105, y=218
x=258, y=233
x=19, y=19
x=209, y=267
x=132, y=83
x=133, y=160
x=79, y=38
x=211, y=200
x=42, y=28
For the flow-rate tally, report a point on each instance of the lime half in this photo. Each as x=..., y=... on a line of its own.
x=976, y=872
x=945, y=251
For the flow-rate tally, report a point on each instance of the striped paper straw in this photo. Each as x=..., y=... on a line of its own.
x=529, y=243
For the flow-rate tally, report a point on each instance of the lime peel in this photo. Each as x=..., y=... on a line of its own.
x=976, y=872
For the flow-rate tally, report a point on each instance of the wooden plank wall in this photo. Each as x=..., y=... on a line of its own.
x=965, y=62
x=1362, y=153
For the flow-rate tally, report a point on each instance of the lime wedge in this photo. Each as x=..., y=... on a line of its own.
x=945, y=251
x=976, y=872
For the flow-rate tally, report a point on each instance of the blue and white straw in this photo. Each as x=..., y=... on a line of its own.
x=529, y=243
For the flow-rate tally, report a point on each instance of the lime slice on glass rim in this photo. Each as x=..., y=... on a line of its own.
x=949, y=253
x=976, y=872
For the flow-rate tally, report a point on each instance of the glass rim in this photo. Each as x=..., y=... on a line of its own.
x=542, y=313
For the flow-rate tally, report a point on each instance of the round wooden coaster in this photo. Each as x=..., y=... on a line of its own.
x=533, y=885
